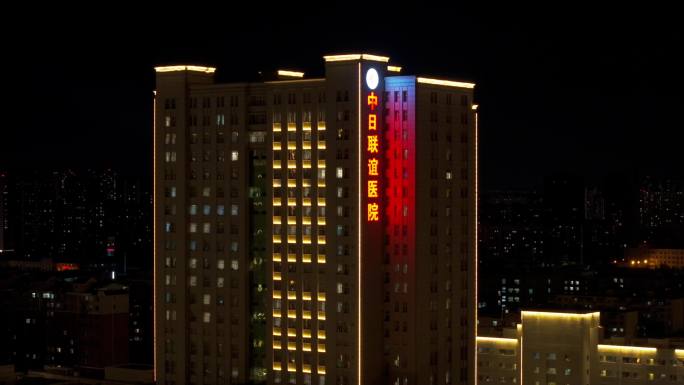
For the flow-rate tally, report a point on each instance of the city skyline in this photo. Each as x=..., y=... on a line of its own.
x=343, y=196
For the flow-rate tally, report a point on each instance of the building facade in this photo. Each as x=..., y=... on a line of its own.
x=550, y=348
x=287, y=239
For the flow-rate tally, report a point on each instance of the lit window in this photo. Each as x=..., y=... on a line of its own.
x=234, y=155
x=206, y=229
x=207, y=317
x=193, y=209
x=206, y=210
x=234, y=210
x=173, y=192
x=207, y=299
x=193, y=280
x=221, y=264
x=234, y=264
x=206, y=192
x=193, y=227
x=448, y=175
x=193, y=263
x=219, y=282
x=340, y=288
x=339, y=173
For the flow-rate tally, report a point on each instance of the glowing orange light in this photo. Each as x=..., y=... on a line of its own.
x=373, y=166
x=373, y=144
x=372, y=122
x=373, y=212
x=372, y=188
x=372, y=101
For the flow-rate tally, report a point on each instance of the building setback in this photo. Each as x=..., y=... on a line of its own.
x=315, y=230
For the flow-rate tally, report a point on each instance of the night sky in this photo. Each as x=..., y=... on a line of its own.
x=593, y=96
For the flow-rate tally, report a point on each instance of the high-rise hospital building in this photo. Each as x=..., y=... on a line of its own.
x=315, y=230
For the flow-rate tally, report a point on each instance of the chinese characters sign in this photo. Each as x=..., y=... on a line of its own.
x=373, y=154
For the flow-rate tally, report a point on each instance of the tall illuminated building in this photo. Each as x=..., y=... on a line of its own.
x=315, y=230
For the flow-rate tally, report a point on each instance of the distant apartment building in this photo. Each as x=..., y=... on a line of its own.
x=552, y=348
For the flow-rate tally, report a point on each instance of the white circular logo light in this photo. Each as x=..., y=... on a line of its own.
x=372, y=78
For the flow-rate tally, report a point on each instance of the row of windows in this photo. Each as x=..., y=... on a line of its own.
x=171, y=192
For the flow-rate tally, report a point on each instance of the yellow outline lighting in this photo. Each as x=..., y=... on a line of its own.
x=393, y=68
x=634, y=349
x=293, y=74
x=559, y=315
x=356, y=56
x=208, y=70
x=679, y=352
x=474, y=107
x=497, y=339
x=359, y=231
x=154, y=231
x=448, y=83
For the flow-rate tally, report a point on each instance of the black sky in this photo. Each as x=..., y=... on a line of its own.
x=591, y=95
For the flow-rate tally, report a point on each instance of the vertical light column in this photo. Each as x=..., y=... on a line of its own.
x=154, y=234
